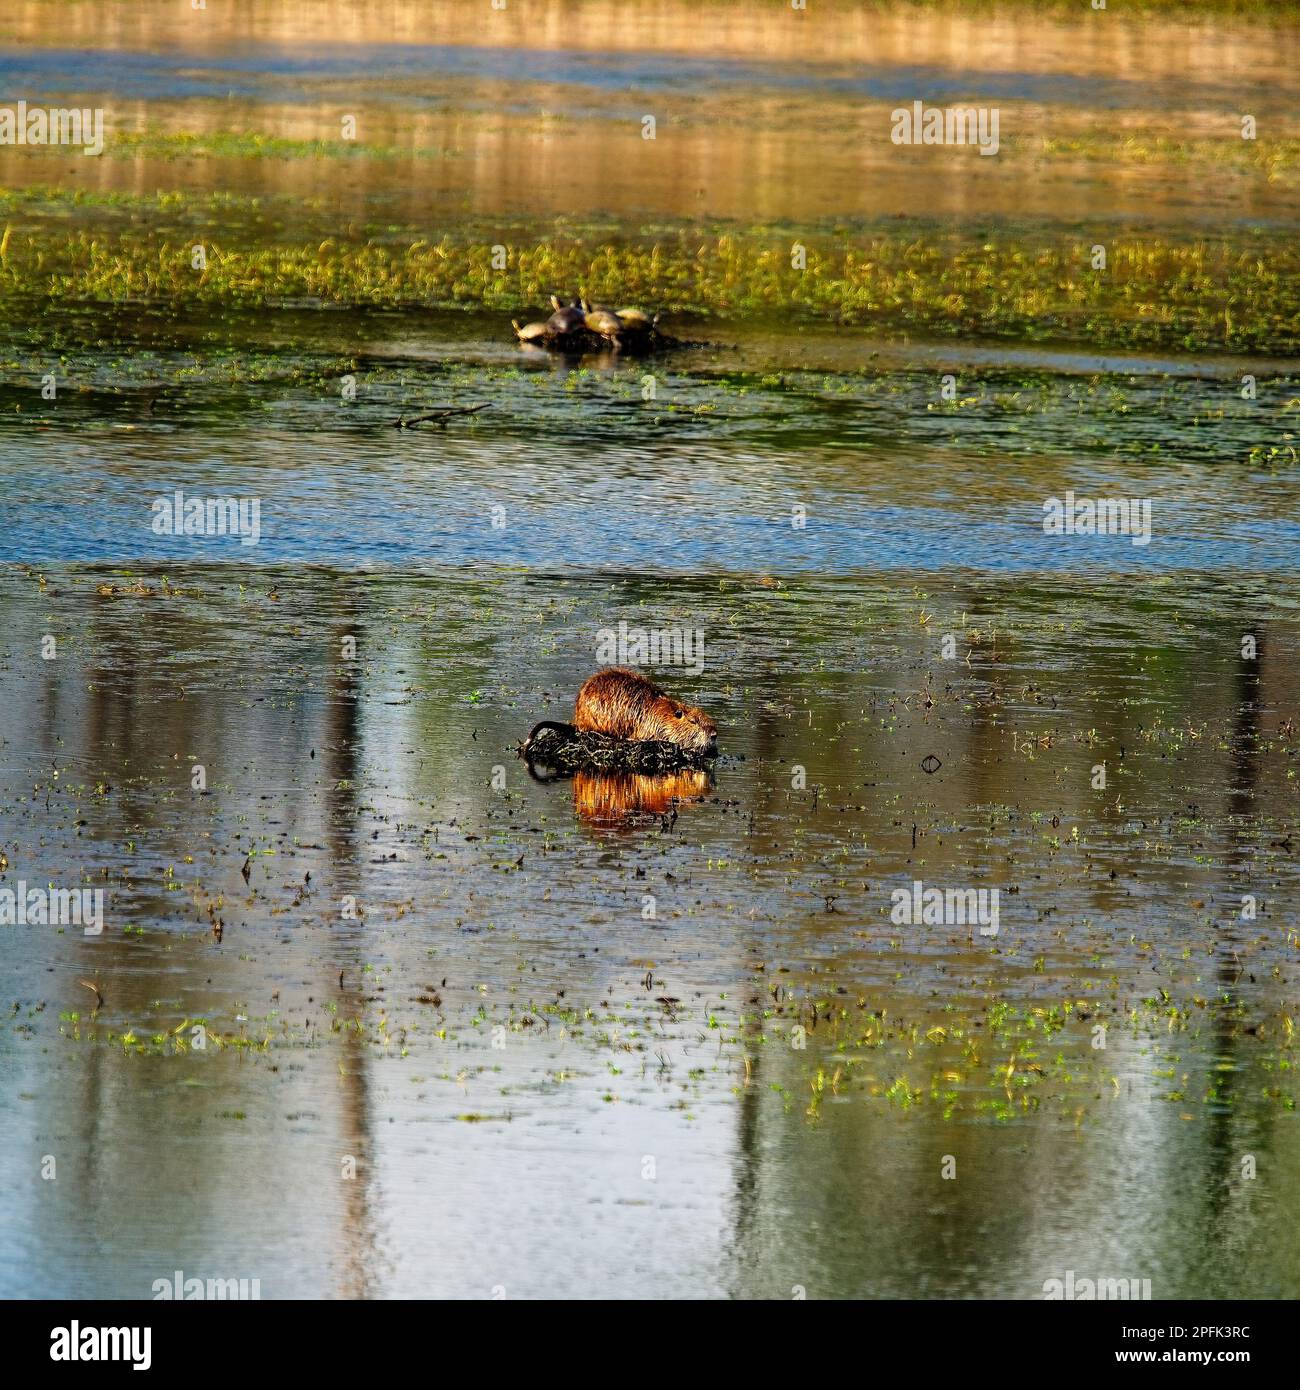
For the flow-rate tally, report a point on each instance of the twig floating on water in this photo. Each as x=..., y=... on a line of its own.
x=441, y=416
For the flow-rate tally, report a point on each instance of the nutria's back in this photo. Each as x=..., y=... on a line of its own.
x=626, y=704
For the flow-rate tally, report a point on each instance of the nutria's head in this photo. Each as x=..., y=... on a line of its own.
x=686, y=725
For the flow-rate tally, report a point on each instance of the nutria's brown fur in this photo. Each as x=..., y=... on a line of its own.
x=625, y=704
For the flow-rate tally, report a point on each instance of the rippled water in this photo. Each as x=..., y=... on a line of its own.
x=521, y=907
x=516, y=114
x=708, y=475
x=464, y=1030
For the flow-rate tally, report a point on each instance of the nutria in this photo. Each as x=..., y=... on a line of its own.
x=625, y=704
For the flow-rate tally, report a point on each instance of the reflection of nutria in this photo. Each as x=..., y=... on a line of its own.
x=625, y=704
x=615, y=796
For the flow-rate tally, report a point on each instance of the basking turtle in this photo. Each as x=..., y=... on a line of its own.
x=531, y=332
x=565, y=319
x=606, y=324
x=637, y=320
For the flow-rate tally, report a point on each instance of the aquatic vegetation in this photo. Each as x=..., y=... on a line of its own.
x=1240, y=292
x=366, y=934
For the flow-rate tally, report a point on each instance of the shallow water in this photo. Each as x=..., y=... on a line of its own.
x=466, y=1031
x=706, y=476
x=520, y=908
x=758, y=119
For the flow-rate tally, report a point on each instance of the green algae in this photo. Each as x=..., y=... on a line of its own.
x=1236, y=293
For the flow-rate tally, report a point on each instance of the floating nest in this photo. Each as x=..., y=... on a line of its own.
x=566, y=750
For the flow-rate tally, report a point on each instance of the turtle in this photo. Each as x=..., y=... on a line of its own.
x=602, y=321
x=531, y=332
x=637, y=320
x=565, y=319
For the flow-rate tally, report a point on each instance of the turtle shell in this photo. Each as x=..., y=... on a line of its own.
x=635, y=320
x=602, y=321
x=566, y=320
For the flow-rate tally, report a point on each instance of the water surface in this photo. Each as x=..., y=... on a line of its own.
x=467, y=1031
